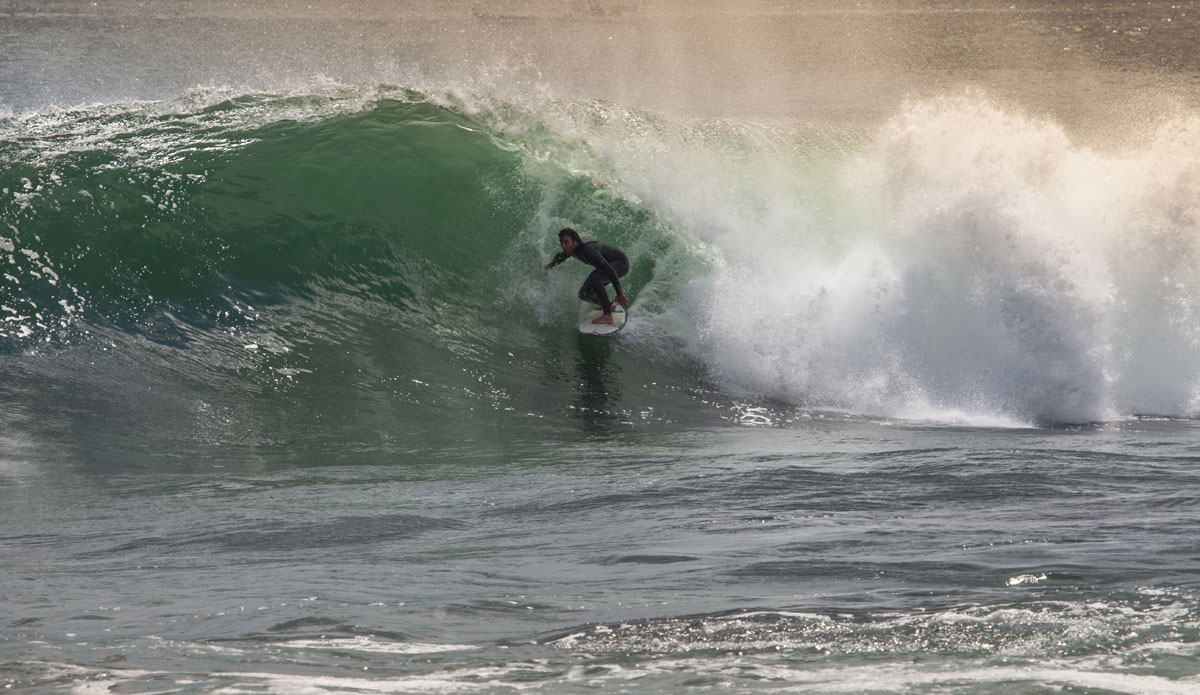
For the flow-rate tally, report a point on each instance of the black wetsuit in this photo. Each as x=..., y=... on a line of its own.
x=610, y=265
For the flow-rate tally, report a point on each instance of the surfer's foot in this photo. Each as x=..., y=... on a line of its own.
x=603, y=320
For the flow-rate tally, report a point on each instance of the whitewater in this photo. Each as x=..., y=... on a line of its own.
x=907, y=401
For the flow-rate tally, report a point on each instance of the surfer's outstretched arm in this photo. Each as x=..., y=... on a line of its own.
x=558, y=258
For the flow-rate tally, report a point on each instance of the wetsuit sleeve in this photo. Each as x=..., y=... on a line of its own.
x=590, y=254
x=559, y=258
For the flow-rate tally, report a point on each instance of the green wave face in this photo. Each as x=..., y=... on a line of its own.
x=357, y=257
x=187, y=208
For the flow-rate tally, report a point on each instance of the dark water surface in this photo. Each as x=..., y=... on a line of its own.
x=893, y=557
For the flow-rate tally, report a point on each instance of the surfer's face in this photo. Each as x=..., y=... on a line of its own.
x=568, y=244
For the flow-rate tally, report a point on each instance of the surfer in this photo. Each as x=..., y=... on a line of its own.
x=610, y=263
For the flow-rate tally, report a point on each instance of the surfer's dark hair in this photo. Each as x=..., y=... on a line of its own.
x=567, y=231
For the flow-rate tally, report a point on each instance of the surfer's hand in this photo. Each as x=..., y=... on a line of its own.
x=548, y=266
x=623, y=301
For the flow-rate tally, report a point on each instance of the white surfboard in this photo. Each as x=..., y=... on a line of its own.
x=587, y=327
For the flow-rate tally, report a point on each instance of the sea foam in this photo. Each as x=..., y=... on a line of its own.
x=964, y=261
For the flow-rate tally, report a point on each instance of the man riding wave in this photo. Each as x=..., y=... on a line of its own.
x=610, y=263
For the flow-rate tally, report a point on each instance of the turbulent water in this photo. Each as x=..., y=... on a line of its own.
x=907, y=400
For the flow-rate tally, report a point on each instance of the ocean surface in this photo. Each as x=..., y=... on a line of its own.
x=908, y=400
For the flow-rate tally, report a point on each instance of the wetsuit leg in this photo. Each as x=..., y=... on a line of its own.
x=593, y=289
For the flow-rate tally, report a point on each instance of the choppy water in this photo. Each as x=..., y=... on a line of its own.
x=906, y=402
